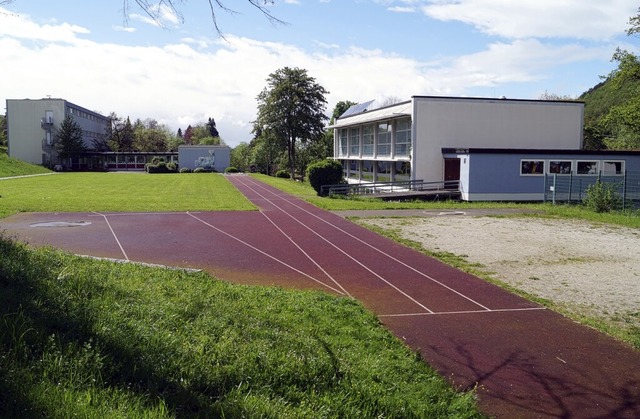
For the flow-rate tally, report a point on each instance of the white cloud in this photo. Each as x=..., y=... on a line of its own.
x=599, y=20
x=188, y=81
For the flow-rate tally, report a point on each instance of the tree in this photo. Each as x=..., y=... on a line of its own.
x=155, y=10
x=69, y=139
x=291, y=108
x=553, y=96
x=3, y=131
x=120, y=136
x=211, y=127
x=188, y=133
x=149, y=135
x=241, y=156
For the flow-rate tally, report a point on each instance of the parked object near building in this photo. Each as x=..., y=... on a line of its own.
x=32, y=126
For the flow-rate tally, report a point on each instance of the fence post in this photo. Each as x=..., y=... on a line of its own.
x=624, y=189
x=570, y=186
x=553, y=195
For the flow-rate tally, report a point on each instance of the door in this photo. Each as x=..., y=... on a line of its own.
x=451, y=172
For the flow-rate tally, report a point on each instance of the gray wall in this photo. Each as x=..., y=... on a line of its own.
x=192, y=156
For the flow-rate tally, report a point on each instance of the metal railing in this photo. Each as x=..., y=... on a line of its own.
x=380, y=188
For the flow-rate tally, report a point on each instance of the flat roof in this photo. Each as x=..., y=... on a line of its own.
x=459, y=150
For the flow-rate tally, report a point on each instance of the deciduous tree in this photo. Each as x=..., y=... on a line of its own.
x=291, y=109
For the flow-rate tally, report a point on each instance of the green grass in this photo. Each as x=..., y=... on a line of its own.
x=13, y=167
x=95, y=339
x=124, y=192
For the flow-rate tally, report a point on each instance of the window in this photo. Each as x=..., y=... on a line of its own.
x=344, y=148
x=403, y=138
x=384, y=171
x=384, y=139
x=402, y=170
x=354, y=169
x=560, y=167
x=531, y=167
x=367, y=170
x=587, y=167
x=610, y=167
x=354, y=141
x=367, y=140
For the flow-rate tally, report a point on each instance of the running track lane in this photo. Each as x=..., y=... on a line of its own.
x=528, y=362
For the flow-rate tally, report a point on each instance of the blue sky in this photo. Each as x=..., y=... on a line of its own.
x=183, y=73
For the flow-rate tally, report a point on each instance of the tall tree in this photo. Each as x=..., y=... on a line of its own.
x=211, y=126
x=69, y=139
x=3, y=130
x=188, y=133
x=291, y=108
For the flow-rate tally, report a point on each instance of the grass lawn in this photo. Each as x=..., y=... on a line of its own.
x=124, y=192
x=14, y=167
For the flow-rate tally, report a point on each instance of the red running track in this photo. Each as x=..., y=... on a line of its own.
x=526, y=362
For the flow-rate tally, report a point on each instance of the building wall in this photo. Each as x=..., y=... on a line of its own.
x=206, y=156
x=490, y=123
x=497, y=176
x=27, y=136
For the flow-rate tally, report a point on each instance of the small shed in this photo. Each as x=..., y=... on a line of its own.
x=209, y=157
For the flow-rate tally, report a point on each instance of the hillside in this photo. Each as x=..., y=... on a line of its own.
x=605, y=95
x=12, y=167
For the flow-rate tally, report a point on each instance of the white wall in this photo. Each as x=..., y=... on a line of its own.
x=189, y=155
x=489, y=123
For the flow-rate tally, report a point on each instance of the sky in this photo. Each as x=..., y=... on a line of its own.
x=109, y=56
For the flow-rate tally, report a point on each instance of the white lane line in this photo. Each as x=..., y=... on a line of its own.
x=307, y=255
x=389, y=256
x=114, y=234
x=419, y=304
x=445, y=313
x=265, y=254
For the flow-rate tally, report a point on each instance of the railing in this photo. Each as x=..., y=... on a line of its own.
x=380, y=188
x=572, y=188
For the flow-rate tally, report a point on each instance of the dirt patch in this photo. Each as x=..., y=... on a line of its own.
x=590, y=269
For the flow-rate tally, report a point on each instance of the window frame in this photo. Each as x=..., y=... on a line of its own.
x=544, y=166
x=597, y=167
x=616, y=173
x=551, y=162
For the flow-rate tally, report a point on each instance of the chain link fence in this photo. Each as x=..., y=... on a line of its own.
x=572, y=188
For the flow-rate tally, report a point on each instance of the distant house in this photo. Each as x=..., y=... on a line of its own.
x=32, y=126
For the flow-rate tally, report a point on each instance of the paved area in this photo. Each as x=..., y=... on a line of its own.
x=524, y=360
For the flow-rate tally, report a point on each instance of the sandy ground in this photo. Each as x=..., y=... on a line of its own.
x=587, y=268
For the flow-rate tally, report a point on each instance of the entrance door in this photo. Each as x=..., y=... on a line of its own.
x=452, y=170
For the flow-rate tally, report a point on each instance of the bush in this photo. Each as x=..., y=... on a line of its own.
x=201, y=170
x=283, y=174
x=231, y=169
x=602, y=197
x=161, y=167
x=324, y=172
x=185, y=170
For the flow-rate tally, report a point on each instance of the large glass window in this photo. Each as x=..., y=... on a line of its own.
x=561, y=167
x=354, y=141
x=610, y=167
x=384, y=139
x=344, y=147
x=587, y=167
x=354, y=169
x=403, y=170
x=367, y=170
x=531, y=167
x=384, y=171
x=403, y=138
x=367, y=140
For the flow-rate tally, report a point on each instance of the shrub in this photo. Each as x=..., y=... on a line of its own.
x=172, y=167
x=231, y=169
x=283, y=174
x=324, y=172
x=157, y=160
x=602, y=197
x=161, y=167
x=185, y=170
x=201, y=170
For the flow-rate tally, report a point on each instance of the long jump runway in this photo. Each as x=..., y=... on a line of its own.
x=524, y=360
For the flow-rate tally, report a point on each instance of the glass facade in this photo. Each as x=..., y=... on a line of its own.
x=402, y=144
x=367, y=140
x=384, y=139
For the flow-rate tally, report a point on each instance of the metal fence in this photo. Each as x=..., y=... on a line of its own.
x=572, y=188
